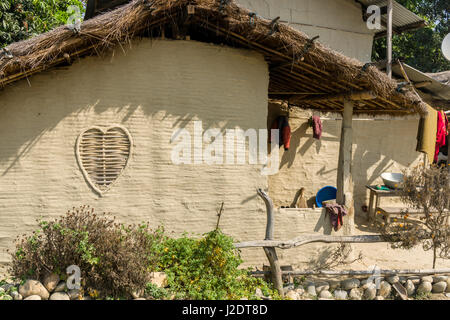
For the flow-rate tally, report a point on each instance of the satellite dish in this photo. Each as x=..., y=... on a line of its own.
x=446, y=47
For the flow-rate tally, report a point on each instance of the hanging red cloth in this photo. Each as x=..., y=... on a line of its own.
x=441, y=134
x=317, y=127
x=282, y=124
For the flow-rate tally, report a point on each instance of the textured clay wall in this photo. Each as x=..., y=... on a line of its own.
x=384, y=144
x=339, y=23
x=152, y=90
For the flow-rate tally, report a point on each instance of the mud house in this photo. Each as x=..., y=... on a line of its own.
x=89, y=116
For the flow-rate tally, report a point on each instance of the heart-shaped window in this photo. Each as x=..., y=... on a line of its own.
x=103, y=154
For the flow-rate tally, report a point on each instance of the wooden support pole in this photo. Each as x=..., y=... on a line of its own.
x=389, y=38
x=270, y=251
x=344, y=179
x=344, y=172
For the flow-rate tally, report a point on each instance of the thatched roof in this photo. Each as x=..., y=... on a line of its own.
x=303, y=72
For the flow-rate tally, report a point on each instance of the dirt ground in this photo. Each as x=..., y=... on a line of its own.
x=382, y=255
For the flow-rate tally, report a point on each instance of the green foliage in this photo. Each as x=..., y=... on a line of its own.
x=421, y=48
x=154, y=292
x=207, y=269
x=114, y=258
x=117, y=259
x=22, y=19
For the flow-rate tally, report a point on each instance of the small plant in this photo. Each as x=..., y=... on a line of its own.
x=422, y=296
x=207, y=269
x=155, y=292
x=429, y=191
x=114, y=258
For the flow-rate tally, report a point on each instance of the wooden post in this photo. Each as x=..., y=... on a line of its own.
x=344, y=175
x=270, y=252
x=389, y=38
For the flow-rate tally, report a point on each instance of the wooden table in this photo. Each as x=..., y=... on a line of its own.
x=375, y=196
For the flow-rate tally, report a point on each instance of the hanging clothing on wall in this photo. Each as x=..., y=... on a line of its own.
x=282, y=124
x=426, y=134
x=336, y=212
x=317, y=127
x=441, y=134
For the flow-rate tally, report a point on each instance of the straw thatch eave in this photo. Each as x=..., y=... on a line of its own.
x=305, y=73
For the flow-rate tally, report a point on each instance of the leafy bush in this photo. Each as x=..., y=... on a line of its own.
x=207, y=269
x=114, y=258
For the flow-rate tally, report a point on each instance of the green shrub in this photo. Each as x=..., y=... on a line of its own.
x=207, y=269
x=114, y=258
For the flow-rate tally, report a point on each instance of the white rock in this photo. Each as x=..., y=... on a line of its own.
x=448, y=285
x=437, y=279
x=393, y=279
x=288, y=288
x=74, y=294
x=33, y=287
x=325, y=294
x=439, y=287
x=371, y=292
x=51, y=282
x=16, y=295
x=334, y=284
x=355, y=294
x=415, y=280
x=61, y=287
x=427, y=279
x=322, y=285
x=350, y=284
x=311, y=289
x=292, y=295
x=425, y=287
x=59, y=296
x=159, y=279
x=33, y=297
x=385, y=289
x=379, y=298
x=340, y=294
x=258, y=293
x=300, y=291
x=410, y=288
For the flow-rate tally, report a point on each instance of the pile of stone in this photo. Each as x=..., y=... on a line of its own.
x=377, y=288
x=52, y=288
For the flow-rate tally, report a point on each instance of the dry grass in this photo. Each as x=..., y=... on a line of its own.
x=122, y=24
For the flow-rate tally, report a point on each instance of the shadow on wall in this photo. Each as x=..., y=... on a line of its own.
x=105, y=86
x=379, y=146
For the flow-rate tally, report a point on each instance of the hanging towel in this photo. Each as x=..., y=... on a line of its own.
x=317, y=127
x=442, y=123
x=336, y=212
x=282, y=124
x=426, y=134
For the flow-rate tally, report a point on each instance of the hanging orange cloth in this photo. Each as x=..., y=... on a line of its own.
x=426, y=134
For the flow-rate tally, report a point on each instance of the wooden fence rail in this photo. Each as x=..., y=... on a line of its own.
x=380, y=272
x=269, y=245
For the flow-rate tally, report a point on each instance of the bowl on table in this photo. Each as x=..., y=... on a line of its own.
x=392, y=180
